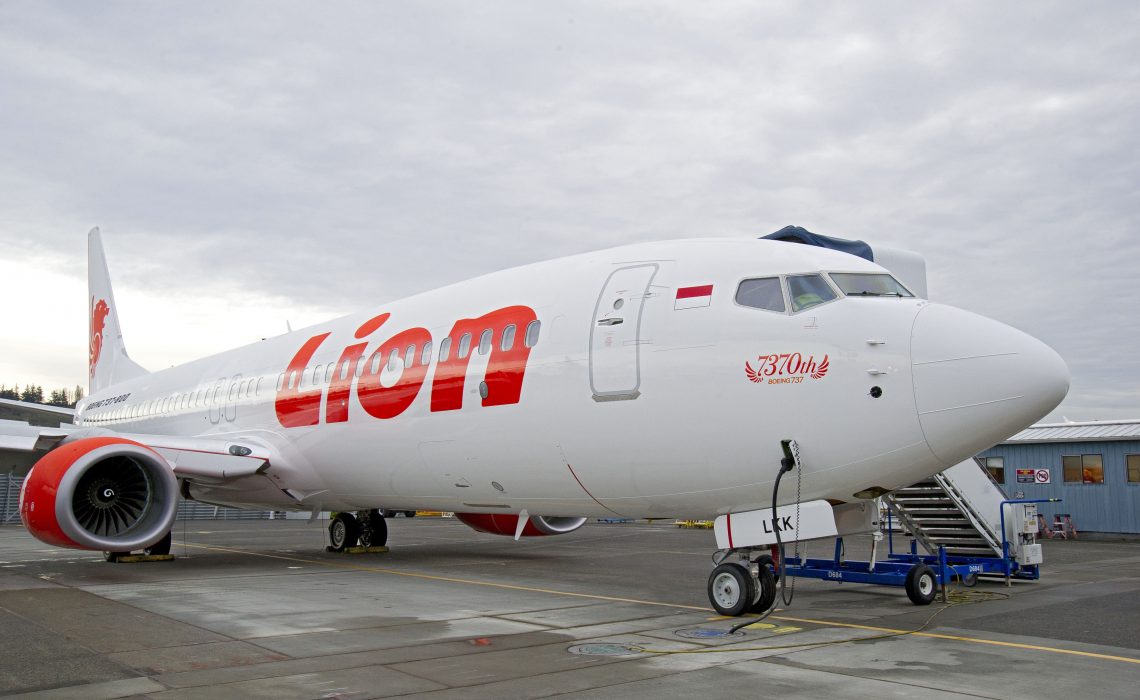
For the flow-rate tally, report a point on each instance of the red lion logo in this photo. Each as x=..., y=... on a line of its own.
x=99, y=312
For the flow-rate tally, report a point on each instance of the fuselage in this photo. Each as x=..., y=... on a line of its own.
x=630, y=381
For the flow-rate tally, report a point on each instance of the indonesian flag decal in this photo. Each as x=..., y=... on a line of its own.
x=693, y=297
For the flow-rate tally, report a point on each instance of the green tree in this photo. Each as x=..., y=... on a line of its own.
x=13, y=393
x=33, y=394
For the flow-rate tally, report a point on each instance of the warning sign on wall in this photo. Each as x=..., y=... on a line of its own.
x=1034, y=476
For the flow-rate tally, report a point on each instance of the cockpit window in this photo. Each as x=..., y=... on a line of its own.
x=869, y=284
x=764, y=293
x=808, y=291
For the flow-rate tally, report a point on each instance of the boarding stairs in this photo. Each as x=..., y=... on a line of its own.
x=958, y=509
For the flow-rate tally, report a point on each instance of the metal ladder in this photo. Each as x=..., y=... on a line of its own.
x=936, y=512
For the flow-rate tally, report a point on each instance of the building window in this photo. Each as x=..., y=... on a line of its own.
x=996, y=467
x=1083, y=469
x=1133, y=467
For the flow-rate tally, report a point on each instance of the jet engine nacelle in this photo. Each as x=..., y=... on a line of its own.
x=507, y=524
x=108, y=494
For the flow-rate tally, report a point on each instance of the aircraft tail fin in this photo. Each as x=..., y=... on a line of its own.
x=107, y=358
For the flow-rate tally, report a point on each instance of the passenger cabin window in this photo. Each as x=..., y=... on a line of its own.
x=377, y=358
x=508, y=340
x=808, y=291
x=868, y=284
x=444, y=349
x=464, y=345
x=531, y=337
x=764, y=293
x=485, y=342
x=410, y=356
x=393, y=358
x=1083, y=469
x=425, y=356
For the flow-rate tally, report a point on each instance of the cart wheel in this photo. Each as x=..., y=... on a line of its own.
x=766, y=588
x=921, y=584
x=970, y=580
x=731, y=589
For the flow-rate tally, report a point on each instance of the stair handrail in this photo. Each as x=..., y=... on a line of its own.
x=915, y=531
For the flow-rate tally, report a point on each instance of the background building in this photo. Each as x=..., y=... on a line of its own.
x=1094, y=466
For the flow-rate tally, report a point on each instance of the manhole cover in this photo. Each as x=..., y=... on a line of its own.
x=601, y=650
x=706, y=633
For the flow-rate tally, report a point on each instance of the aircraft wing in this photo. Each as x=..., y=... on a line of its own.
x=204, y=460
x=35, y=413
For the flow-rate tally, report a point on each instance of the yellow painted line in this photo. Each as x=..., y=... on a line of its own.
x=615, y=599
x=448, y=579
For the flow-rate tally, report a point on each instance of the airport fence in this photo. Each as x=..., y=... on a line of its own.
x=187, y=510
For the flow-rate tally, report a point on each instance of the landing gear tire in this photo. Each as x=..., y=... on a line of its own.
x=731, y=590
x=373, y=529
x=765, y=588
x=160, y=548
x=344, y=531
x=113, y=557
x=921, y=584
x=766, y=560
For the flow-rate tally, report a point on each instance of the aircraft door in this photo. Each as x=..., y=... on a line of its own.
x=215, y=398
x=615, y=334
x=232, y=398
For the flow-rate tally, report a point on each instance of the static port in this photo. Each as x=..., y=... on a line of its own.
x=876, y=392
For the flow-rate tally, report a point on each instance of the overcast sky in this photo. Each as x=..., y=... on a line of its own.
x=252, y=163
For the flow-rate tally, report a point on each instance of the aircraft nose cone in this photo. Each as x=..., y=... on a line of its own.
x=977, y=381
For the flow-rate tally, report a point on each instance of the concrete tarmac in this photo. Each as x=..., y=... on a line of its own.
x=259, y=609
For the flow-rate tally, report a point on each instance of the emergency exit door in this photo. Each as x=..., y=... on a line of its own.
x=615, y=334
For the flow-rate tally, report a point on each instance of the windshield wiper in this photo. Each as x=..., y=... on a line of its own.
x=874, y=294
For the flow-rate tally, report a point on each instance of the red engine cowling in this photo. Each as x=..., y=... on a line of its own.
x=104, y=493
x=507, y=523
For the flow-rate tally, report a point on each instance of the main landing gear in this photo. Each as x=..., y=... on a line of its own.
x=159, y=551
x=366, y=528
x=748, y=585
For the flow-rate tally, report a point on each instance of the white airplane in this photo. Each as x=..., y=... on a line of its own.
x=646, y=381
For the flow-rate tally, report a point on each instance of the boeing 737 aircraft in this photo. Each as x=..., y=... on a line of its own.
x=646, y=381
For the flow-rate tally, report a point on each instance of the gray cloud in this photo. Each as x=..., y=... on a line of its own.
x=347, y=155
